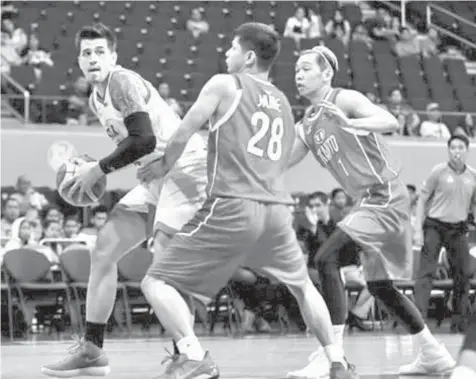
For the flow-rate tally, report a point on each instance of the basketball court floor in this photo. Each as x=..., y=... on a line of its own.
x=377, y=355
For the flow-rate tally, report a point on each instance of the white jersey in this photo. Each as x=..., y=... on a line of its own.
x=164, y=120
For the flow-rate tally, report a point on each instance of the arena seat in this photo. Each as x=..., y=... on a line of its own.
x=151, y=31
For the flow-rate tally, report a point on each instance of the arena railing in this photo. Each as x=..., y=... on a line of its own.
x=432, y=9
x=42, y=101
x=23, y=94
x=46, y=241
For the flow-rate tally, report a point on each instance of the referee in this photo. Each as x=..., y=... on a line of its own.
x=446, y=199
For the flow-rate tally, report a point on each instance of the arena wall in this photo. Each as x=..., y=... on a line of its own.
x=25, y=150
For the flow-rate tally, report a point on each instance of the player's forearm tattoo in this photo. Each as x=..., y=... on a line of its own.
x=128, y=93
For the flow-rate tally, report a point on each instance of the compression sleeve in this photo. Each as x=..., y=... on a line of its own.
x=140, y=142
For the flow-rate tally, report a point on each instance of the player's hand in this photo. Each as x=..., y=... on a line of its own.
x=335, y=112
x=87, y=176
x=152, y=170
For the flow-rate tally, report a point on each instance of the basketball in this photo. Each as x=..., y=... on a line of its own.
x=65, y=180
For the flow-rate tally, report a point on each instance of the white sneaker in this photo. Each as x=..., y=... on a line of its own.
x=430, y=362
x=462, y=372
x=317, y=368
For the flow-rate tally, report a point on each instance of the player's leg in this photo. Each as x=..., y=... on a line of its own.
x=466, y=367
x=125, y=229
x=199, y=261
x=280, y=256
x=385, y=237
x=182, y=195
x=332, y=286
x=457, y=247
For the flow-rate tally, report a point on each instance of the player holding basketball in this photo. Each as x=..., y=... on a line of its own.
x=342, y=130
x=245, y=220
x=139, y=121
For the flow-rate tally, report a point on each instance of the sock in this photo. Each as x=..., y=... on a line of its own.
x=95, y=333
x=339, y=332
x=426, y=339
x=190, y=346
x=335, y=354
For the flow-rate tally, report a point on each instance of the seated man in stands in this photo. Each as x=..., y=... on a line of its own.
x=98, y=220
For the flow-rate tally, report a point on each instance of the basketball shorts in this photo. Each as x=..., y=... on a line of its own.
x=177, y=196
x=380, y=225
x=227, y=233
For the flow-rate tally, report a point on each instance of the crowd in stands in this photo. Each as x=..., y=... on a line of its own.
x=29, y=220
x=24, y=47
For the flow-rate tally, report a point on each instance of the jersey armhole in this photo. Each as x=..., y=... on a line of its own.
x=231, y=110
x=300, y=133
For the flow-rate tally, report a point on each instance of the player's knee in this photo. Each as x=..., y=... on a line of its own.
x=302, y=290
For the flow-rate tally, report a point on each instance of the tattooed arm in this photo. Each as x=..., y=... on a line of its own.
x=128, y=95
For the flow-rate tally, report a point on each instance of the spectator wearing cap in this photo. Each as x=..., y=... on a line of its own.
x=446, y=199
x=433, y=127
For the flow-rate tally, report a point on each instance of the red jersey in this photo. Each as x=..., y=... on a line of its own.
x=358, y=160
x=249, y=148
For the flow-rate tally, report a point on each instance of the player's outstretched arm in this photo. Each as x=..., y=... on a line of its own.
x=128, y=95
x=365, y=115
x=204, y=107
x=300, y=148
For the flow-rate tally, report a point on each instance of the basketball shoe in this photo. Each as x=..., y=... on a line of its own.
x=181, y=367
x=318, y=368
x=431, y=360
x=84, y=359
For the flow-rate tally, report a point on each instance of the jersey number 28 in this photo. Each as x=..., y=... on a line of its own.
x=275, y=129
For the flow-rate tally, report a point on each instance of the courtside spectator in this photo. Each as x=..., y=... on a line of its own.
x=196, y=24
x=433, y=127
x=16, y=37
x=360, y=33
x=35, y=56
x=297, y=26
x=316, y=27
x=382, y=27
x=338, y=27
x=467, y=126
x=98, y=220
x=9, y=55
x=71, y=227
x=407, y=43
x=408, y=119
x=339, y=206
x=27, y=196
x=11, y=212
x=430, y=43
x=77, y=103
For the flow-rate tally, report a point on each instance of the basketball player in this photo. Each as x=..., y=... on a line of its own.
x=245, y=220
x=342, y=129
x=139, y=121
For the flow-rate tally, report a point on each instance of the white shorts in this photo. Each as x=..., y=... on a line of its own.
x=177, y=197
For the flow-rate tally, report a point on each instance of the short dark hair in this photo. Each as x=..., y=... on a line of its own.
x=97, y=31
x=336, y=191
x=322, y=196
x=99, y=209
x=460, y=137
x=411, y=187
x=261, y=39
